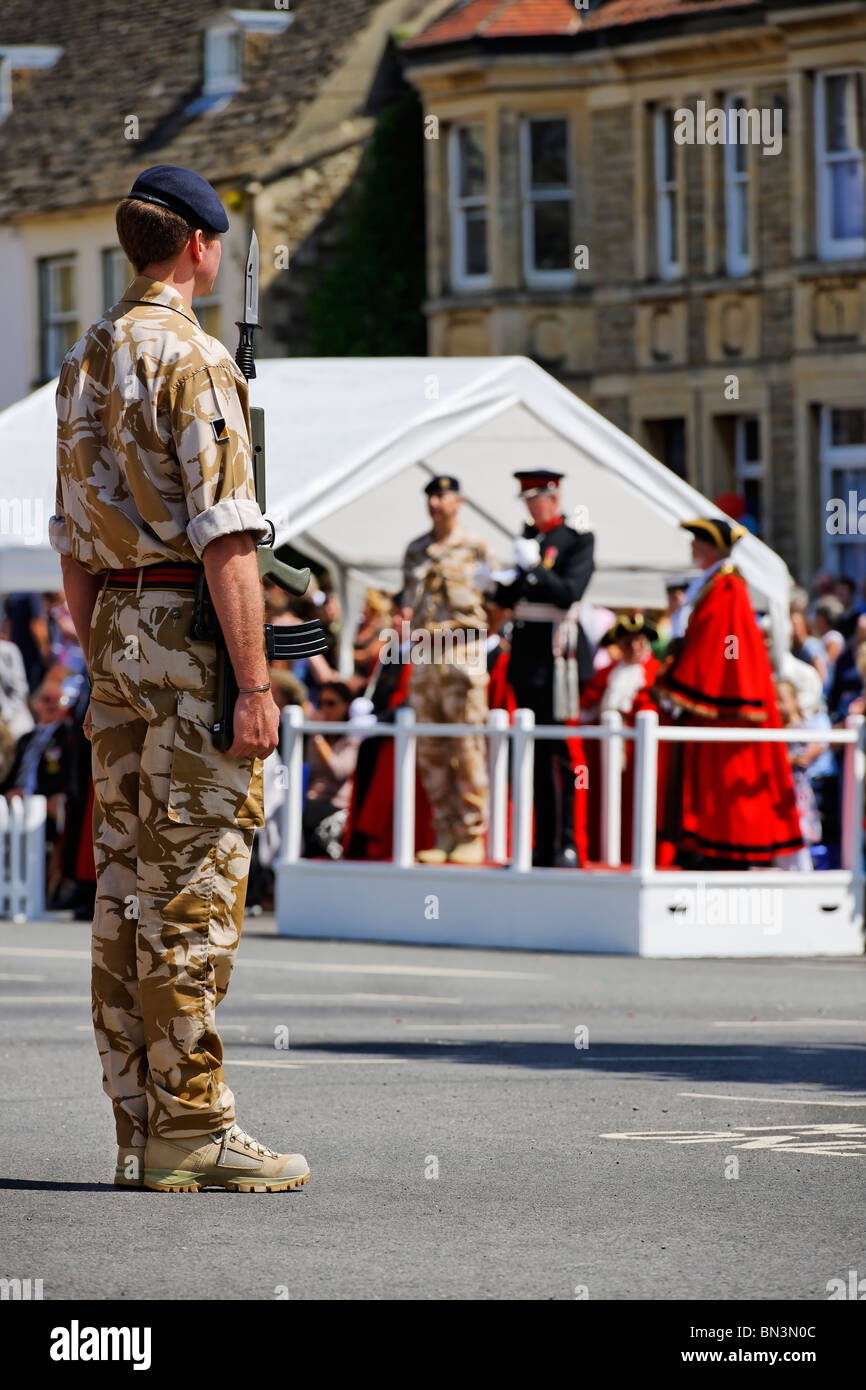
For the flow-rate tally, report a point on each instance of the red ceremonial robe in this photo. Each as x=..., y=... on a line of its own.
x=369, y=831
x=501, y=696
x=591, y=698
x=370, y=821
x=737, y=799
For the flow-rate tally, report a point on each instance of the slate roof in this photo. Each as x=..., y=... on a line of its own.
x=63, y=144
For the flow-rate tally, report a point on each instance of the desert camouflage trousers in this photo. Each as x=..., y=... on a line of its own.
x=173, y=825
x=453, y=770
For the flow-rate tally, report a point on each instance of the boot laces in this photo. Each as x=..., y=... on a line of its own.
x=241, y=1137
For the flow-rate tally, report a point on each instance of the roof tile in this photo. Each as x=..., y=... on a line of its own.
x=64, y=145
x=496, y=19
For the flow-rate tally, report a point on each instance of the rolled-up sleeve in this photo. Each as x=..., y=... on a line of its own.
x=211, y=438
x=58, y=532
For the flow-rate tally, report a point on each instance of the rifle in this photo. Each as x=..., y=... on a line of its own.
x=282, y=643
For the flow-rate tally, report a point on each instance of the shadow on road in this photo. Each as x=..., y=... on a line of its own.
x=26, y=1185
x=842, y=1067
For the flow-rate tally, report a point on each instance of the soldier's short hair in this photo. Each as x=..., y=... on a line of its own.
x=150, y=235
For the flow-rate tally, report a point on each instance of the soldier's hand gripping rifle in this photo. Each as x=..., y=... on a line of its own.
x=282, y=643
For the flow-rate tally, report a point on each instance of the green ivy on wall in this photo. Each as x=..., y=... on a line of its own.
x=368, y=302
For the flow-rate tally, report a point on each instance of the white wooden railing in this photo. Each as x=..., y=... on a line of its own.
x=22, y=857
x=522, y=734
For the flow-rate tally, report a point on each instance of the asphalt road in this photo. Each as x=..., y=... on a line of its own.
x=461, y=1145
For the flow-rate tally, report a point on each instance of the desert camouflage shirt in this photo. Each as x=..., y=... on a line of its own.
x=440, y=582
x=153, y=440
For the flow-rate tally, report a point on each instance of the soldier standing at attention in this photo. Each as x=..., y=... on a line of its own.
x=442, y=598
x=154, y=481
x=549, y=652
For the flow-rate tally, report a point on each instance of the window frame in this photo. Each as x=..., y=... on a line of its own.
x=667, y=268
x=737, y=263
x=229, y=82
x=50, y=320
x=749, y=469
x=458, y=205
x=5, y=87
x=533, y=276
x=830, y=248
x=837, y=456
x=108, y=257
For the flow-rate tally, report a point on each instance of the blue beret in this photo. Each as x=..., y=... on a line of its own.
x=183, y=192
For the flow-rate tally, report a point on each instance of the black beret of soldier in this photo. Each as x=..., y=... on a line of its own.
x=183, y=192
x=437, y=486
x=721, y=534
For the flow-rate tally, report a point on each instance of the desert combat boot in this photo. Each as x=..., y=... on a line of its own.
x=227, y=1158
x=439, y=854
x=469, y=852
x=129, y=1171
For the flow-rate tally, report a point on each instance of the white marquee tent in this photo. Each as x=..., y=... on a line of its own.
x=352, y=441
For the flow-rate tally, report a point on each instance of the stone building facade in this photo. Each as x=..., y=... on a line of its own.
x=664, y=204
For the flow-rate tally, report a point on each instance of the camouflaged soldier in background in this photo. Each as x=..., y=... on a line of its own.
x=153, y=464
x=441, y=588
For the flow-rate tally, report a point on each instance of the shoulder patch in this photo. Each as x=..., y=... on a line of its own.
x=220, y=429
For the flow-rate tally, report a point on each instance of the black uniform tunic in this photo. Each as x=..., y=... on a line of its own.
x=561, y=579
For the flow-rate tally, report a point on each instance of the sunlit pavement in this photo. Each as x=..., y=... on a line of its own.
x=479, y=1124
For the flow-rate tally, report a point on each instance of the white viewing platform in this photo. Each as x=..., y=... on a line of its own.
x=633, y=909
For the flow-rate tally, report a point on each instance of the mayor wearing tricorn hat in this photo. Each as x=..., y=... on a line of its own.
x=549, y=651
x=738, y=806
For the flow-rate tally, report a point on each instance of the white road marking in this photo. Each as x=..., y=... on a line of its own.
x=321, y=1062
x=775, y=1100
x=476, y=1027
x=46, y=951
x=839, y=1140
x=45, y=999
x=856, y=963
x=340, y=998
x=324, y=967
x=792, y=1023
x=444, y=972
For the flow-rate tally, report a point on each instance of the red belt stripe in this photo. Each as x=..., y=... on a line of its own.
x=179, y=576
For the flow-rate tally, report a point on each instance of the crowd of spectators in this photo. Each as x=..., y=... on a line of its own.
x=44, y=694
x=820, y=680
x=43, y=750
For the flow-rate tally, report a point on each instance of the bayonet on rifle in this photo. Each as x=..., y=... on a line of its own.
x=292, y=580
x=282, y=643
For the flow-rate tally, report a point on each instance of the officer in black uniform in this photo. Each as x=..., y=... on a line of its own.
x=550, y=655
